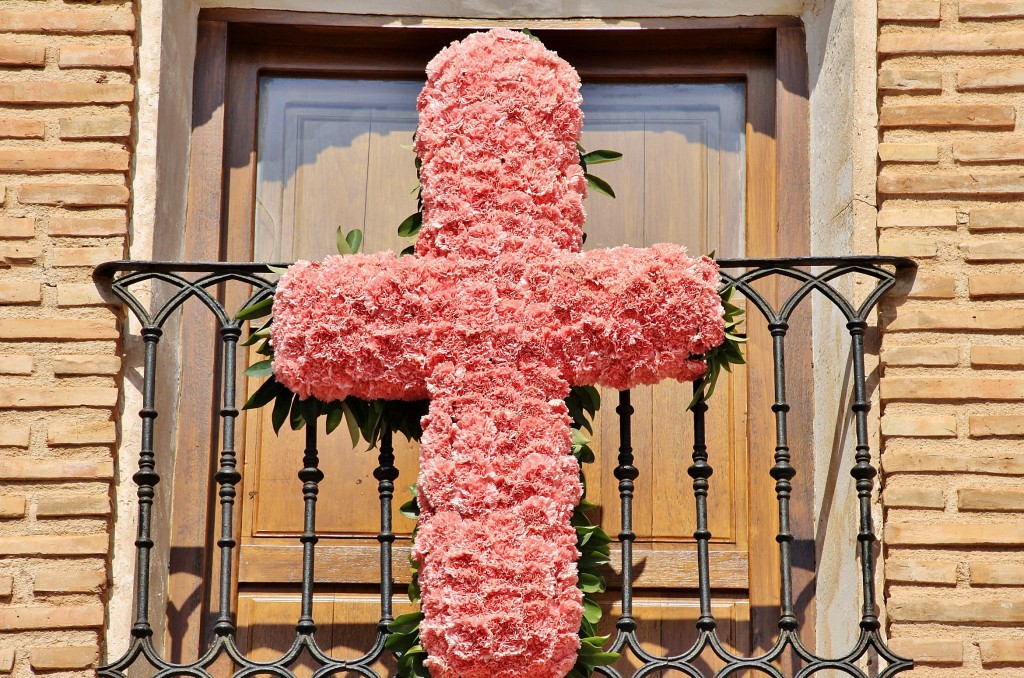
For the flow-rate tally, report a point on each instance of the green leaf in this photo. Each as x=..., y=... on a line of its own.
x=400, y=643
x=415, y=188
x=282, y=404
x=257, y=309
x=411, y=225
x=263, y=368
x=578, y=438
x=341, y=242
x=267, y=391
x=404, y=623
x=410, y=509
x=585, y=455
x=355, y=240
x=334, y=416
x=599, y=185
x=591, y=612
x=280, y=270
x=589, y=583
x=411, y=249
x=527, y=32
x=351, y=421
x=603, y=155
x=295, y=418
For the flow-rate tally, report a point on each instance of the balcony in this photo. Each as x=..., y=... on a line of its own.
x=193, y=305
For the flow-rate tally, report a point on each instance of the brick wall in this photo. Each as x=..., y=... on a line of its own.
x=951, y=92
x=66, y=93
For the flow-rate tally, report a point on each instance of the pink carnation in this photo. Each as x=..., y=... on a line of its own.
x=494, y=320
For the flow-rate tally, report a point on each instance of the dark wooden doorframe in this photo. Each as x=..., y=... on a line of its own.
x=234, y=46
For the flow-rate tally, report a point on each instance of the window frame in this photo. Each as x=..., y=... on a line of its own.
x=235, y=46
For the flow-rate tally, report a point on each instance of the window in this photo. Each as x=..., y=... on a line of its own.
x=299, y=129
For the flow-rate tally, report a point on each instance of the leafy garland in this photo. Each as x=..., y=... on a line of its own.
x=368, y=419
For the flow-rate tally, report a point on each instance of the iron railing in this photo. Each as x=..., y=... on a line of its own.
x=797, y=277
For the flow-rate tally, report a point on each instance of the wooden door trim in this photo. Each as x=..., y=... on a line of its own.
x=231, y=55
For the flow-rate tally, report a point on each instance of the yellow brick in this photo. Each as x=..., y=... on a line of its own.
x=990, y=499
x=997, y=574
x=997, y=219
x=948, y=609
x=64, y=93
x=914, y=497
x=910, y=81
x=972, y=79
x=17, y=227
x=15, y=436
x=963, y=462
x=991, y=9
x=997, y=356
x=6, y=587
x=1001, y=652
x=944, y=42
x=919, y=248
x=22, y=55
x=948, y=115
x=51, y=617
x=993, y=250
x=16, y=364
x=19, y=253
x=76, y=21
x=920, y=571
x=995, y=285
x=989, y=151
x=954, y=320
x=6, y=661
x=12, y=507
x=931, y=287
x=20, y=293
x=908, y=10
x=22, y=129
x=31, y=329
x=996, y=425
x=908, y=152
x=74, y=195
x=95, y=128
x=62, y=658
x=47, y=469
x=945, y=533
x=921, y=356
x=84, y=256
x=951, y=388
x=87, y=227
x=62, y=160
x=80, y=433
x=996, y=183
x=82, y=295
x=62, y=544
x=929, y=651
x=86, y=364
x=51, y=505
x=58, y=397
x=75, y=581
x=80, y=56
x=935, y=426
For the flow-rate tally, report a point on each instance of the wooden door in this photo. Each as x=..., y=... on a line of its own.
x=332, y=152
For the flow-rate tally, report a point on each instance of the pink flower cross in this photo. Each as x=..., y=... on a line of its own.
x=493, y=320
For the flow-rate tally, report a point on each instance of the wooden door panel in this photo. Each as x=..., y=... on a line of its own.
x=331, y=157
x=345, y=627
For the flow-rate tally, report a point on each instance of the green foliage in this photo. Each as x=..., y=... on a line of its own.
x=725, y=355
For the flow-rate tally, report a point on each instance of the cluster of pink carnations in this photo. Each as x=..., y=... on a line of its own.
x=494, y=319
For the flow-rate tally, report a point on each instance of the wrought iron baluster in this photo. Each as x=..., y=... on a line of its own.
x=701, y=472
x=146, y=478
x=227, y=477
x=864, y=473
x=386, y=475
x=783, y=473
x=626, y=474
x=310, y=475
